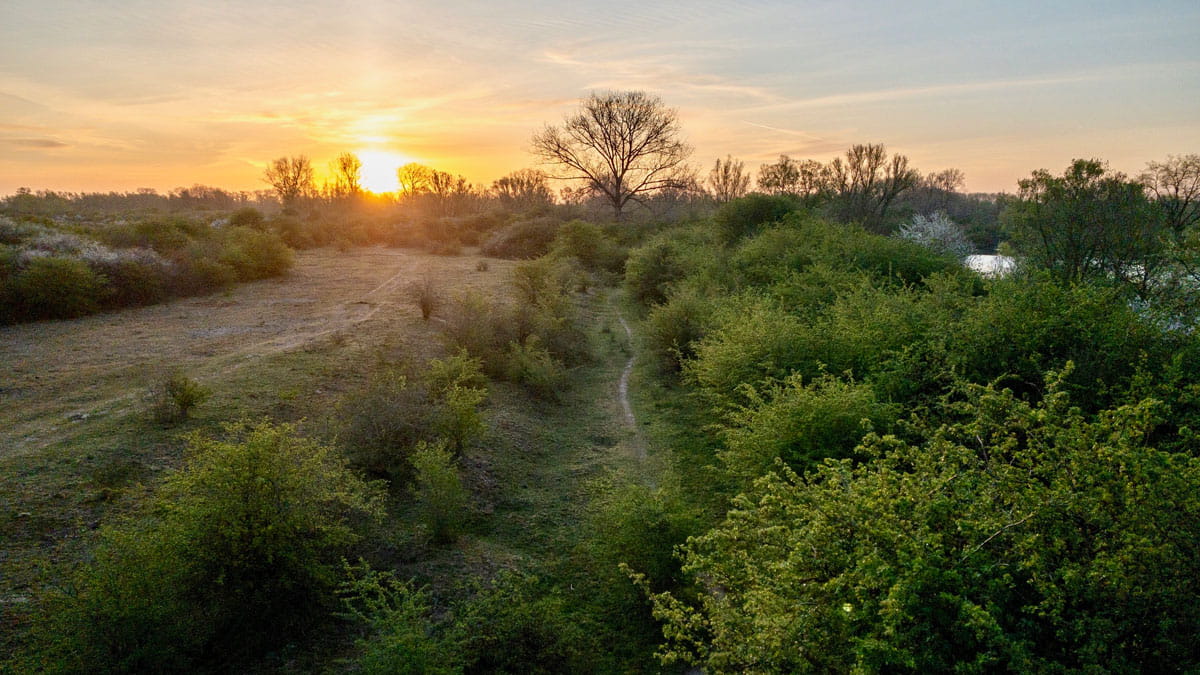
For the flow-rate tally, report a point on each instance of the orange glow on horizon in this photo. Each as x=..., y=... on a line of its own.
x=378, y=172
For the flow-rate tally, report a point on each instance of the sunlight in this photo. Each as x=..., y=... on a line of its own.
x=379, y=169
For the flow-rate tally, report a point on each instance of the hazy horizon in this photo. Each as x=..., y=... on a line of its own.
x=161, y=94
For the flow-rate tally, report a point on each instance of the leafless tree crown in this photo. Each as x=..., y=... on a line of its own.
x=624, y=145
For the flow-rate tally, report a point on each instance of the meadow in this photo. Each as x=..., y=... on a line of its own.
x=754, y=435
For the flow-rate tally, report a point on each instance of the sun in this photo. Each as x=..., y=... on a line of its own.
x=378, y=173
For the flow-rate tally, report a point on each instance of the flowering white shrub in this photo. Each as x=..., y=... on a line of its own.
x=939, y=233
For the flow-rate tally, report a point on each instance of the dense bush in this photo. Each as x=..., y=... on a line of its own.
x=673, y=328
x=1020, y=537
x=510, y=627
x=747, y=215
x=239, y=550
x=522, y=239
x=591, y=246
x=58, y=288
x=55, y=273
x=400, y=409
x=439, y=492
x=800, y=423
x=404, y=637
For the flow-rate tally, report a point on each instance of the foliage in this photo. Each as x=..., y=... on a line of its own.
x=238, y=551
x=801, y=424
x=672, y=328
x=404, y=639
x=1017, y=537
x=172, y=399
x=522, y=239
x=397, y=411
x=591, y=246
x=510, y=628
x=533, y=366
x=58, y=288
x=748, y=215
x=247, y=216
x=1086, y=224
x=439, y=492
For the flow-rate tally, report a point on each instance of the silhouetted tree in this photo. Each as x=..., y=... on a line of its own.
x=523, y=189
x=1175, y=185
x=728, y=180
x=413, y=179
x=782, y=177
x=867, y=183
x=292, y=179
x=347, y=179
x=625, y=145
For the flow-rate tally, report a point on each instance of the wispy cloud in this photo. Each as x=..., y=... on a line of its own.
x=40, y=143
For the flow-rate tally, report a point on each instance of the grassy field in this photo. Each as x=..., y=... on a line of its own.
x=78, y=446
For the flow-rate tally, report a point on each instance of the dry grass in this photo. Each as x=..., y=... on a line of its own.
x=57, y=375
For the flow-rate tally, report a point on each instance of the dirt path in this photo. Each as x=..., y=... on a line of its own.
x=639, y=444
x=56, y=373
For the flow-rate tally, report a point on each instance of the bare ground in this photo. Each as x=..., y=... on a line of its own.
x=55, y=374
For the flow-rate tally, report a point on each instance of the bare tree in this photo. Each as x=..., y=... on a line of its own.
x=1175, y=185
x=781, y=177
x=292, y=179
x=347, y=175
x=523, y=188
x=728, y=180
x=625, y=145
x=867, y=183
x=413, y=179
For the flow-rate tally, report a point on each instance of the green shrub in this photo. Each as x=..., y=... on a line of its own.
x=745, y=216
x=134, y=282
x=59, y=288
x=1016, y=538
x=239, y=551
x=172, y=399
x=802, y=424
x=442, y=501
x=907, y=261
x=247, y=216
x=385, y=421
x=457, y=419
x=531, y=365
x=522, y=240
x=458, y=370
x=199, y=275
x=672, y=328
x=404, y=639
x=483, y=330
x=253, y=254
x=651, y=270
x=508, y=627
x=591, y=246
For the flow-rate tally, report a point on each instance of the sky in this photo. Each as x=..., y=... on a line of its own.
x=125, y=94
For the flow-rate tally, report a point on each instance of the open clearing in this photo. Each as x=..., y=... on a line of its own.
x=77, y=447
x=56, y=374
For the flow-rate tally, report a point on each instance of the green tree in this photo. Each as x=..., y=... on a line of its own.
x=1087, y=223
